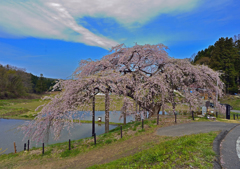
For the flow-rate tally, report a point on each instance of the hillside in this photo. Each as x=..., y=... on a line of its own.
x=17, y=83
x=223, y=56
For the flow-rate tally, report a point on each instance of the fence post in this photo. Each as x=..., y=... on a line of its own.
x=15, y=149
x=217, y=114
x=175, y=117
x=237, y=116
x=95, y=139
x=192, y=115
x=42, y=148
x=69, y=144
x=121, y=131
x=234, y=116
x=28, y=145
x=24, y=146
x=142, y=123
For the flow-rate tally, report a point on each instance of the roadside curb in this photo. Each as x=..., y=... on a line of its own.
x=216, y=146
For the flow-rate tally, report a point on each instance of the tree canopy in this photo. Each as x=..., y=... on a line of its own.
x=143, y=73
x=224, y=55
x=16, y=82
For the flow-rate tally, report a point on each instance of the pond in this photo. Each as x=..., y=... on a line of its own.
x=9, y=133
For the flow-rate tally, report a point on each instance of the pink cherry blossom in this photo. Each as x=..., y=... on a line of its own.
x=142, y=74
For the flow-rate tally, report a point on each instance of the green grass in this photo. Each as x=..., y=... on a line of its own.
x=96, y=122
x=232, y=116
x=108, y=141
x=232, y=100
x=70, y=153
x=25, y=108
x=193, y=151
x=116, y=101
x=19, y=108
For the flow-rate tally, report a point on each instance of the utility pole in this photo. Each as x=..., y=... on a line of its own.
x=217, y=93
x=107, y=111
x=216, y=98
x=93, y=113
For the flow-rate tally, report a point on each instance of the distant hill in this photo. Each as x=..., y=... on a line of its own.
x=16, y=82
x=223, y=56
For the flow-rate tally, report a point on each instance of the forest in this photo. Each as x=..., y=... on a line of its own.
x=16, y=82
x=223, y=56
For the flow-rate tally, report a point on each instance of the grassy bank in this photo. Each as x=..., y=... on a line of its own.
x=234, y=101
x=19, y=107
x=138, y=147
x=193, y=151
x=25, y=108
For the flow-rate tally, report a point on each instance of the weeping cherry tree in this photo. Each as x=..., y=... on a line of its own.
x=143, y=75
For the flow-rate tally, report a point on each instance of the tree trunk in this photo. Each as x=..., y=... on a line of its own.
x=137, y=118
x=106, y=111
x=154, y=110
x=124, y=114
x=145, y=114
x=163, y=110
x=93, y=114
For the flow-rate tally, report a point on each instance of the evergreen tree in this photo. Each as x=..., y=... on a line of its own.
x=224, y=55
x=41, y=84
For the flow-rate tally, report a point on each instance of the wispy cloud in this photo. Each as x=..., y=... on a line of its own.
x=56, y=19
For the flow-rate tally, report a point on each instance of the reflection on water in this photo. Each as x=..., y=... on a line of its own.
x=113, y=116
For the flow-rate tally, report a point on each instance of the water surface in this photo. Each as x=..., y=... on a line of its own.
x=9, y=133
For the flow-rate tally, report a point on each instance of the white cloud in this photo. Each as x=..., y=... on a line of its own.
x=57, y=18
x=125, y=11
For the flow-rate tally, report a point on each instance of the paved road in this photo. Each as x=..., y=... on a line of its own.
x=229, y=157
x=235, y=111
x=193, y=128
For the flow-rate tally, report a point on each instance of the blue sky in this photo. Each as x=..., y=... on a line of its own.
x=52, y=36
